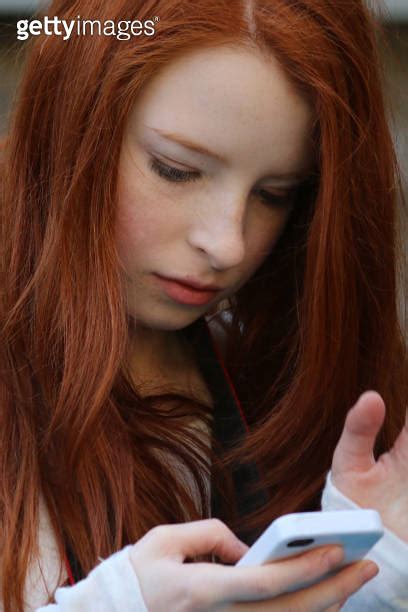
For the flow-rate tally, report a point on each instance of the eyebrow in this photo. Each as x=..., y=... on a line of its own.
x=193, y=146
x=184, y=142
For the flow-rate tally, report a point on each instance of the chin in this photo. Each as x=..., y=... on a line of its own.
x=166, y=321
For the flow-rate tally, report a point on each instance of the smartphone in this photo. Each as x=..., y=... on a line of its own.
x=355, y=530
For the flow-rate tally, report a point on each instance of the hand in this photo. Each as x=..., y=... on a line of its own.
x=381, y=484
x=168, y=584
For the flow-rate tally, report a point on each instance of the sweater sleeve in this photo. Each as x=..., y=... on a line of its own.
x=389, y=589
x=112, y=586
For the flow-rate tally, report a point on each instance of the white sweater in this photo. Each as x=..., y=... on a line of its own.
x=389, y=589
x=113, y=586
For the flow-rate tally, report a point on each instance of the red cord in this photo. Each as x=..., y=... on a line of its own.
x=231, y=384
x=227, y=376
x=69, y=571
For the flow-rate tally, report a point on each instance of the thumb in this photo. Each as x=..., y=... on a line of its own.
x=354, y=451
x=208, y=536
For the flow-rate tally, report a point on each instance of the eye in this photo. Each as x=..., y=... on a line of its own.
x=283, y=200
x=174, y=175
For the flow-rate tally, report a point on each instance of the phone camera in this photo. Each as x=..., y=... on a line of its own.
x=295, y=543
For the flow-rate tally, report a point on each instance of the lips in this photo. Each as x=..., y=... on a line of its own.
x=185, y=294
x=193, y=284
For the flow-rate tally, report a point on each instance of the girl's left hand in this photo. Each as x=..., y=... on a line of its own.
x=382, y=484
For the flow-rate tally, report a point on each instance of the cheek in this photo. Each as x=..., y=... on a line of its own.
x=263, y=238
x=137, y=224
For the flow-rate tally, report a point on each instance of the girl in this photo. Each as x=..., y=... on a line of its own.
x=199, y=279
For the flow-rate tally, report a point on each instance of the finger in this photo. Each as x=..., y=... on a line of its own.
x=208, y=536
x=263, y=581
x=354, y=450
x=332, y=591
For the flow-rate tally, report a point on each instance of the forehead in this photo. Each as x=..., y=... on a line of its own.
x=236, y=102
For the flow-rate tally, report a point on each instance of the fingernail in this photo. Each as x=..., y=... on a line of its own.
x=334, y=556
x=369, y=571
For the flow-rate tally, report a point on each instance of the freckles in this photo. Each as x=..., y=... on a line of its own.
x=129, y=230
x=135, y=227
x=135, y=209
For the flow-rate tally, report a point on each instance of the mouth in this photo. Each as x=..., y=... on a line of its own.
x=192, y=283
x=186, y=294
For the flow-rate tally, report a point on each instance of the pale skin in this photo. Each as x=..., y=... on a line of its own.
x=220, y=229
x=380, y=484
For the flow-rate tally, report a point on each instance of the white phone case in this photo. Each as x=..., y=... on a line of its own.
x=356, y=530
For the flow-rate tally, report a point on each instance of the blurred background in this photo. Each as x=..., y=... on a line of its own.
x=393, y=13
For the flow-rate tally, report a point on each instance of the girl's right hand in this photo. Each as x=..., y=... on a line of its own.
x=169, y=584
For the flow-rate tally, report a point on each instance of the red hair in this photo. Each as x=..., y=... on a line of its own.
x=320, y=316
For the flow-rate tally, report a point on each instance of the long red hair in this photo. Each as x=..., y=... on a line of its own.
x=320, y=317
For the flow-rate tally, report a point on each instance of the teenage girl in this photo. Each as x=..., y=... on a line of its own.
x=199, y=310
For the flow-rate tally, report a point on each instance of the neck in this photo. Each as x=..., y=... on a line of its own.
x=157, y=353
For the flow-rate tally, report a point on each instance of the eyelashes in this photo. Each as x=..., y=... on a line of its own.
x=282, y=201
x=172, y=174
x=175, y=175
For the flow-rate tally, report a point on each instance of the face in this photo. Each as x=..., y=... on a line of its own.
x=214, y=151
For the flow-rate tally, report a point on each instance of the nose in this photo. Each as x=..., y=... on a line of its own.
x=219, y=233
